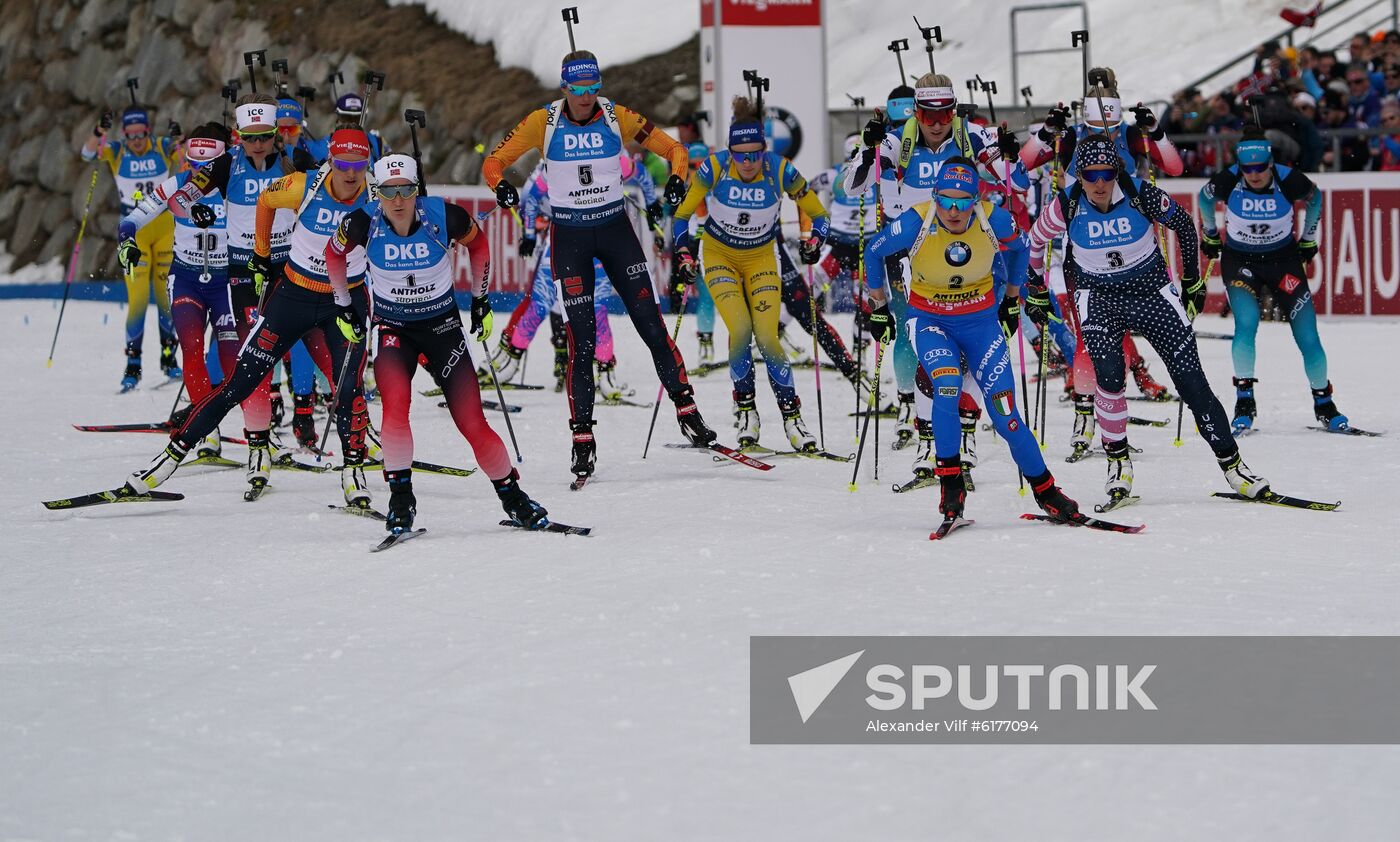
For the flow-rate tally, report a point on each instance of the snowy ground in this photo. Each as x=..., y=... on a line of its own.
x=213, y=669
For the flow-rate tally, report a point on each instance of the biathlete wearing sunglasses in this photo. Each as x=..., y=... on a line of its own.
x=297, y=301
x=1103, y=117
x=953, y=243
x=743, y=192
x=581, y=138
x=198, y=280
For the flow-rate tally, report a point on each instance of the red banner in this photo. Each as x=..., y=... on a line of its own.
x=767, y=12
x=1357, y=270
x=509, y=272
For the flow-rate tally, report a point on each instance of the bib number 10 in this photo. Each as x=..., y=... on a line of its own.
x=206, y=241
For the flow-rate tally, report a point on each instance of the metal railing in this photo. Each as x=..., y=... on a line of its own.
x=1225, y=142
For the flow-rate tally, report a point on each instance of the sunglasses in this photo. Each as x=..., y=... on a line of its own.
x=349, y=166
x=1358, y=81
x=584, y=90
x=930, y=117
x=398, y=191
x=1254, y=169
x=960, y=205
x=747, y=157
x=1098, y=176
x=251, y=136
x=137, y=135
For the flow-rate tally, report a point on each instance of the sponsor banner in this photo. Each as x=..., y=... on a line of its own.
x=1357, y=270
x=1074, y=690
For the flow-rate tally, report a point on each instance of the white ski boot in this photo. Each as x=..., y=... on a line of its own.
x=746, y=420
x=352, y=483
x=158, y=471
x=1241, y=479
x=924, y=461
x=801, y=440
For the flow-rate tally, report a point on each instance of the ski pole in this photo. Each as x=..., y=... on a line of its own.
x=73, y=263
x=179, y=395
x=860, y=446
x=335, y=395
x=1025, y=393
x=816, y=360
x=1044, y=391
x=661, y=387
x=860, y=301
x=500, y=396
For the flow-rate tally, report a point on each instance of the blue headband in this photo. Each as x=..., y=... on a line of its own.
x=134, y=116
x=580, y=72
x=745, y=132
x=288, y=108
x=899, y=109
x=957, y=177
x=1253, y=151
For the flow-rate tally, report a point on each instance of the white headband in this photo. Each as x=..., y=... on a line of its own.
x=1111, y=114
x=256, y=114
x=935, y=98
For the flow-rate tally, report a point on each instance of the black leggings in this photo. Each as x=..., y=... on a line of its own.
x=615, y=244
x=1149, y=306
x=290, y=311
x=797, y=299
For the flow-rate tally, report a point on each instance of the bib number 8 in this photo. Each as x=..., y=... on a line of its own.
x=744, y=218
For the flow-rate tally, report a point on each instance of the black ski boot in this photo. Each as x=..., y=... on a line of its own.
x=169, y=364
x=688, y=414
x=132, y=375
x=518, y=505
x=1326, y=411
x=585, y=450
x=403, y=506
x=279, y=409
x=952, y=489
x=1245, y=408
x=1051, y=499
x=303, y=421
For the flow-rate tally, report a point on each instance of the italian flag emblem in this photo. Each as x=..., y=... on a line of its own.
x=1003, y=403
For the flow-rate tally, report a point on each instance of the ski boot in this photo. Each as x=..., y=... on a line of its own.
x=688, y=416
x=169, y=365
x=304, y=421
x=608, y=385
x=1084, y=427
x=211, y=446
x=259, y=462
x=968, y=418
x=352, y=483
x=159, y=470
x=1120, y=471
x=1245, y=408
x=585, y=454
x=746, y=420
x=1326, y=411
x=924, y=463
x=561, y=368
x=952, y=490
x=904, y=428
x=403, y=506
x=180, y=416
x=1051, y=499
x=517, y=504
x=132, y=375
x=707, y=348
x=279, y=409
x=802, y=441
x=1237, y=473
x=1151, y=389
x=506, y=361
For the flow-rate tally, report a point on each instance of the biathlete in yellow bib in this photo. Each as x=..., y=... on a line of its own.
x=743, y=188
x=953, y=241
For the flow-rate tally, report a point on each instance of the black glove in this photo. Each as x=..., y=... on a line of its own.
x=676, y=293
x=202, y=216
x=686, y=267
x=527, y=246
x=1193, y=296
x=506, y=194
x=481, y=317
x=1057, y=118
x=881, y=323
x=261, y=269
x=675, y=191
x=1210, y=244
x=173, y=129
x=654, y=215
x=1038, y=300
x=874, y=132
x=1007, y=143
x=1147, y=121
x=302, y=160
x=1009, y=314
x=128, y=254
x=351, y=318
x=103, y=124
x=1307, y=250
x=810, y=249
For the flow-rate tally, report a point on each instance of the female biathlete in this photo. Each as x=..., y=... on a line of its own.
x=408, y=241
x=745, y=186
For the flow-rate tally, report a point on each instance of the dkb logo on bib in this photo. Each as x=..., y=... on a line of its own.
x=407, y=251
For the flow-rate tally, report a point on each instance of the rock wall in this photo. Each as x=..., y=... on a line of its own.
x=64, y=61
